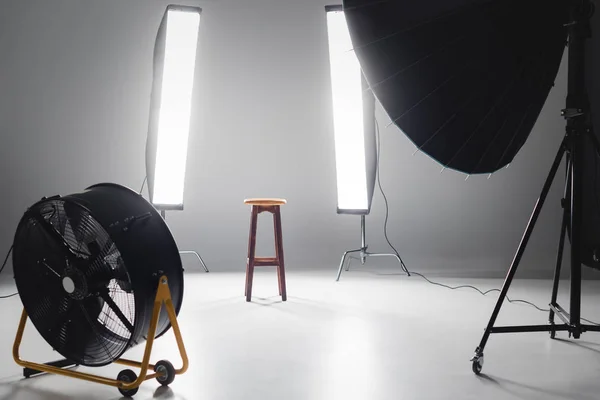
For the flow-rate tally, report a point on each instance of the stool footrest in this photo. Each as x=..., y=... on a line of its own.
x=265, y=261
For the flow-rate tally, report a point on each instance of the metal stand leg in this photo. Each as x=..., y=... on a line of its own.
x=29, y=372
x=163, y=214
x=575, y=232
x=579, y=124
x=364, y=253
x=556, y=281
x=343, y=260
x=477, y=360
x=197, y=255
x=561, y=246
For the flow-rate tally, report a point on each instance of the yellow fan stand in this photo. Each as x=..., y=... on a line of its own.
x=127, y=381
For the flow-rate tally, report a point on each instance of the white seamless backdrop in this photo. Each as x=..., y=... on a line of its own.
x=75, y=79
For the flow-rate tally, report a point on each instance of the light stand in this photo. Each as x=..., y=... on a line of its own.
x=354, y=132
x=363, y=253
x=163, y=214
x=577, y=115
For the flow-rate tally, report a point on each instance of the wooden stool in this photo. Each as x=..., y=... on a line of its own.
x=259, y=206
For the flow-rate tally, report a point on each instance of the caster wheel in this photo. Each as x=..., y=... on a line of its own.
x=477, y=364
x=127, y=376
x=167, y=371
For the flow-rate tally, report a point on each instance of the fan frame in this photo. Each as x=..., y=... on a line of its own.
x=162, y=298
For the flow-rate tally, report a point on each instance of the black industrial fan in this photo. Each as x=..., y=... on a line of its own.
x=466, y=80
x=88, y=268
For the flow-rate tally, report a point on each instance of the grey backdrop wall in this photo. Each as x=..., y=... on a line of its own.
x=75, y=81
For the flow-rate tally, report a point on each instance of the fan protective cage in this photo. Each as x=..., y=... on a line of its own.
x=86, y=267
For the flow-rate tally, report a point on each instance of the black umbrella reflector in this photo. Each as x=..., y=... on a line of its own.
x=87, y=266
x=465, y=80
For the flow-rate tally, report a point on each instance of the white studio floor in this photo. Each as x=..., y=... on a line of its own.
x=373, y=335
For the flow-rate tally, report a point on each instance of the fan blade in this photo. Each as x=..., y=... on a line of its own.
x=42, y=255
x=63, y=312
x=113, y=306
x=74, y=335
x=85, y=230
x=75, y=216
x=50, y=229
x=42, y=309
x=106, y=267
x=97, y=251
x=92, y=322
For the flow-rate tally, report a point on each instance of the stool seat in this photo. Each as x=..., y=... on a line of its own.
x=265, y=202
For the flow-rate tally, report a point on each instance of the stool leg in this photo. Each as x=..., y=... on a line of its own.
x=251, y=252
x=279, y=280
x=279, y=254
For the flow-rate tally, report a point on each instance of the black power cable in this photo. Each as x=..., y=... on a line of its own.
x=2, y=269
x=143, y=184
x=387, y=208
x=423, y=276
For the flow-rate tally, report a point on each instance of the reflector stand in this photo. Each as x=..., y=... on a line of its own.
x=183, y=252
x=577, y=115
x=126, y=387
x=364, y=254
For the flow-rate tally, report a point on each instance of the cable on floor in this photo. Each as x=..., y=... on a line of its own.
x=423, y=276
x=387, y=208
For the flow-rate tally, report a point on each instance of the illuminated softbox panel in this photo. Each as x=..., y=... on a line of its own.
x=170, y=113
x=353, y=120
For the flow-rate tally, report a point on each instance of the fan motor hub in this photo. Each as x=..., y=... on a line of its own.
x=68, y=284
x=75, y=284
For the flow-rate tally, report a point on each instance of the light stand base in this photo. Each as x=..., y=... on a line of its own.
x=197, y=255
x=163, y=214
x=363, y=253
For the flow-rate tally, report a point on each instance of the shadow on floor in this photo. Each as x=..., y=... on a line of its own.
x=516, y=389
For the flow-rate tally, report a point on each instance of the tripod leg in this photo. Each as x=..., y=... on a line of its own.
x=343, y=260
x=478, y=358
x=197, y=256
x=348, y=265
x=576, y=218
x=561, y=246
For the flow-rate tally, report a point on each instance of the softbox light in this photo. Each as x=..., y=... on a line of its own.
x=174, y=67
x=355, y=134
x=171, y=101
x=353, y=120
